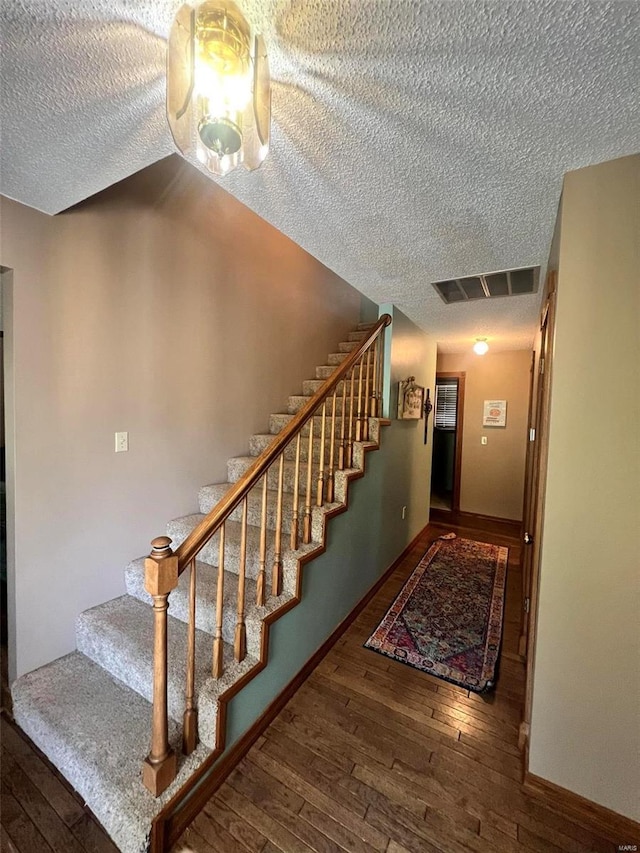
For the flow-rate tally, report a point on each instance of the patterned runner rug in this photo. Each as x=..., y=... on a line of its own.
x=447, y=619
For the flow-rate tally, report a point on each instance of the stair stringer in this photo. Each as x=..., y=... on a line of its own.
x=220, y=692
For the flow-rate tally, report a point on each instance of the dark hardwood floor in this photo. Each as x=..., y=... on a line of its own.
x=39, y=812
x=372, y=755
x=369, y=755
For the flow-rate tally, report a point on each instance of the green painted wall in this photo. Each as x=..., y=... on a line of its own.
x=362, y=542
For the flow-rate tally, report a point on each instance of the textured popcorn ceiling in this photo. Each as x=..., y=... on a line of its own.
x=412, y=140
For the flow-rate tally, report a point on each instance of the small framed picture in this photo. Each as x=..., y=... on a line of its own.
x=494, y=413
x=410, y=399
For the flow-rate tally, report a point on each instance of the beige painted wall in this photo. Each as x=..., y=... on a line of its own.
x=492, y=476
x=165, y=308
x=585, y=731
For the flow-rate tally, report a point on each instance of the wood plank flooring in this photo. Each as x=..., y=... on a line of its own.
x=39, y=811
x=372, y=755
x=369, y=755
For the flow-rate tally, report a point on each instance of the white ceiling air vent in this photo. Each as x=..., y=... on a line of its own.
x=489, y=285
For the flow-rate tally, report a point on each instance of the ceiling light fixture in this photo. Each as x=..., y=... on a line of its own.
x=218, y=87
x=481, y=346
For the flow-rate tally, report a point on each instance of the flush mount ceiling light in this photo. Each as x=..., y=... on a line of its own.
x=481, y=346
x=218, y=87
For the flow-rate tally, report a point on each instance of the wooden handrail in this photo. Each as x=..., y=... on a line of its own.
x=203, y=532
x=164, y=566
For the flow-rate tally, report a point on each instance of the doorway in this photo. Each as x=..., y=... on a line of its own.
x=7, y=637
x=533, y=512
x=447, y=441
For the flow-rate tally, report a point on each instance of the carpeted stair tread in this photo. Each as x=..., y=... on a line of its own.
x=311, y=386
x=258, y=444
x=238, y=466
x=324, y=371
x=289, y=557
x=96, y=731
x=210, y=495
x=206, y=591
x=179, y=528
x=298, y=401
x=280, y=420
x=118, y=636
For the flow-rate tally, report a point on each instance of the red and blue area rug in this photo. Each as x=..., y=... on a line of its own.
x=447, y=619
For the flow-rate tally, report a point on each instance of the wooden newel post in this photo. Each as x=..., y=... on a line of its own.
x=160, y=577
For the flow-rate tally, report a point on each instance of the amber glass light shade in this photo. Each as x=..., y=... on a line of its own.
x=218, y=87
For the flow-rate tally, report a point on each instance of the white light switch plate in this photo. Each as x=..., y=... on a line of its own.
x=483, y=440
x=122, y=442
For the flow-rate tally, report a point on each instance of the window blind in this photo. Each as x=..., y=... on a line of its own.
x=446, y=404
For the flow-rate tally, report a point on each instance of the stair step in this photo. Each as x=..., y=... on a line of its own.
x=365, y=327
x=347, y=346
x=179, y=528
x=311, y=386
x=358, y=335
x=298, y=401
x=209, y=497
x=337, y=358
x=280, y=420
x=118, y=636
x=238, y=466
x=96, y=731
x=206, y=591
x=259, y=443
x=324, y=371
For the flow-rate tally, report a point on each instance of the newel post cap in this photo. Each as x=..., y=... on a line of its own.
x=160, y=567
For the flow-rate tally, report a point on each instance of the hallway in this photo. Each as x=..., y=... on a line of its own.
x=371, y=755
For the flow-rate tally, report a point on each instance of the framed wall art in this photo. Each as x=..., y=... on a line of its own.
x=494, y=413
x=410, y=399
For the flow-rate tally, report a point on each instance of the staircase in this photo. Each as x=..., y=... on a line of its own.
x=90, y=711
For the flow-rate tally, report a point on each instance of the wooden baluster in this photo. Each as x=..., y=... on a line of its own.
x=217, y=667
x=349, y=459
x=190, y=718
x=306, y=527
x=276, y=575
x=373, y=410
x=342, y=453
x=330, y=480
x=262, y=573
x=240, y=644
x=359, y=419
x=160, y=577
x=296, y=498
x=365, y=402
x=323, y=438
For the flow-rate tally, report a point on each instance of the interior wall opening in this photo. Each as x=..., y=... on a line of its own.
x=447, y=441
